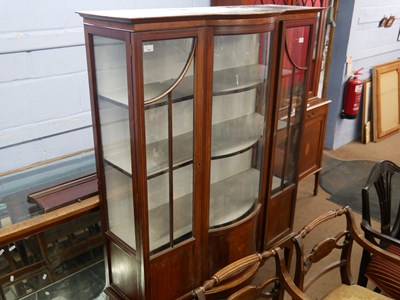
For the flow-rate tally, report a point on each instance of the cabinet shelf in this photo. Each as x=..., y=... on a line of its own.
x=236, y=135
x=118, y=97
x=238, y=79
x=124, y=231
x=157, y=154
x=227, y=81
x=159, y=216
x=184, y=91
x=228, y=138
x=119, y=158
x=231, y=198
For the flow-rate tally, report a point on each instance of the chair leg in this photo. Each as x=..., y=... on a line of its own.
x=316, y=182
x=365, y=259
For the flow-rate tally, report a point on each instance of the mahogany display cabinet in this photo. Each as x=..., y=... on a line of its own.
x=198, y=115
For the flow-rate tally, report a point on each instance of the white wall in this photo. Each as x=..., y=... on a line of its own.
x=357, y=34
x=44, y=94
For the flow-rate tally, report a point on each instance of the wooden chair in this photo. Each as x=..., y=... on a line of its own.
x=235, y=281
x=322, y=254
x=384, y=274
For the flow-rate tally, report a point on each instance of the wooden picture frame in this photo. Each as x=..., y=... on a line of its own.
x=366, y=112
x=390, y=21
x=383, y=22
x=386, y=99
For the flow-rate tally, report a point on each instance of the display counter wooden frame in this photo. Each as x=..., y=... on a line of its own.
x=42, y=222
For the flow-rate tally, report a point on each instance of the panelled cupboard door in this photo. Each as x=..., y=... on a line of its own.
x=240, y=106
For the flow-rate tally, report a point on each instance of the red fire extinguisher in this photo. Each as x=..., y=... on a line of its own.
x=352, y=96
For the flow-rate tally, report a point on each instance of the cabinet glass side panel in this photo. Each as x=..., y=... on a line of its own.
x=112, y=99
x=111, y=73
x=119, y=205
x=168, y=97
x=238, y=117
x=290, y=103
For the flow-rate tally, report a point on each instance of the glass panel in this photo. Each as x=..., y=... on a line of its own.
x=168, y=87
x=111, y=79
x=114, y=124
x=164, y=63
x=239, y=99
x=119, y=205
x=290, y=104
x=110, y=61
x=15, y=188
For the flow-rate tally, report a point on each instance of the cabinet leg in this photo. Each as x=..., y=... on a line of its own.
x=316, y=182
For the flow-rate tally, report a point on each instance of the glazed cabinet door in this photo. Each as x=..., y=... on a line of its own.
x=296, y=44
x=167, y=105
x=239, y=114
x=168, y=112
